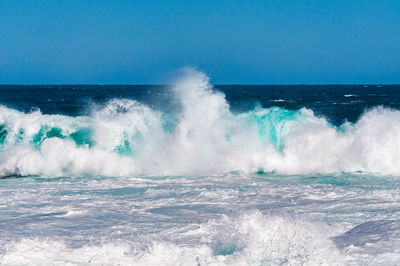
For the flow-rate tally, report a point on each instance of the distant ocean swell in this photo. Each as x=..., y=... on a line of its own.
x=125, y=137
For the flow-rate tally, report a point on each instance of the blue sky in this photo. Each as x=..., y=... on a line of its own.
x=247, y=42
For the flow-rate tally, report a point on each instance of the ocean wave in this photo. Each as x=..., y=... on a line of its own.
x=125, y=137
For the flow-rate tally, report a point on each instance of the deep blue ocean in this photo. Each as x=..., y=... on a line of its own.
x=199, y=174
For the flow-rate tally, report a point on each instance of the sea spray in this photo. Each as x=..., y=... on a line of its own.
x=125, y=137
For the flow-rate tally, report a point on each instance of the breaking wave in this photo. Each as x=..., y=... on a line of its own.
x=125, y=137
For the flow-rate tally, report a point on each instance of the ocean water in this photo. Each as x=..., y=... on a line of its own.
x=199, y=174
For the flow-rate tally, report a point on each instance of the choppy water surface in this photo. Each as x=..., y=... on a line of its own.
x=195, y=175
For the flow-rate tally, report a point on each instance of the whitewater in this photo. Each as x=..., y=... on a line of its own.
x=189, y=179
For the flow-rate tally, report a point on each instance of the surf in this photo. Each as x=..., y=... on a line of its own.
x=202, y=135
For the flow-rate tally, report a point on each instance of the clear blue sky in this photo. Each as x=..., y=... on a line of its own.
x=252, y=42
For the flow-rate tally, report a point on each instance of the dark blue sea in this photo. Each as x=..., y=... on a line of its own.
x=198, y=174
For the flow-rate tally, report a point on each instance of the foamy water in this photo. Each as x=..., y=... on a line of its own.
x=224, y=219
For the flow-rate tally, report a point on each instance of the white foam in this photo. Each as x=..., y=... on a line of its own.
x=130, y=138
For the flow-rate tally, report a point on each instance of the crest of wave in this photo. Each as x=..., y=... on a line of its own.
x=130, y=138
x=202, y=136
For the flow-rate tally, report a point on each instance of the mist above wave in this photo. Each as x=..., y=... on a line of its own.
x=202, y=136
